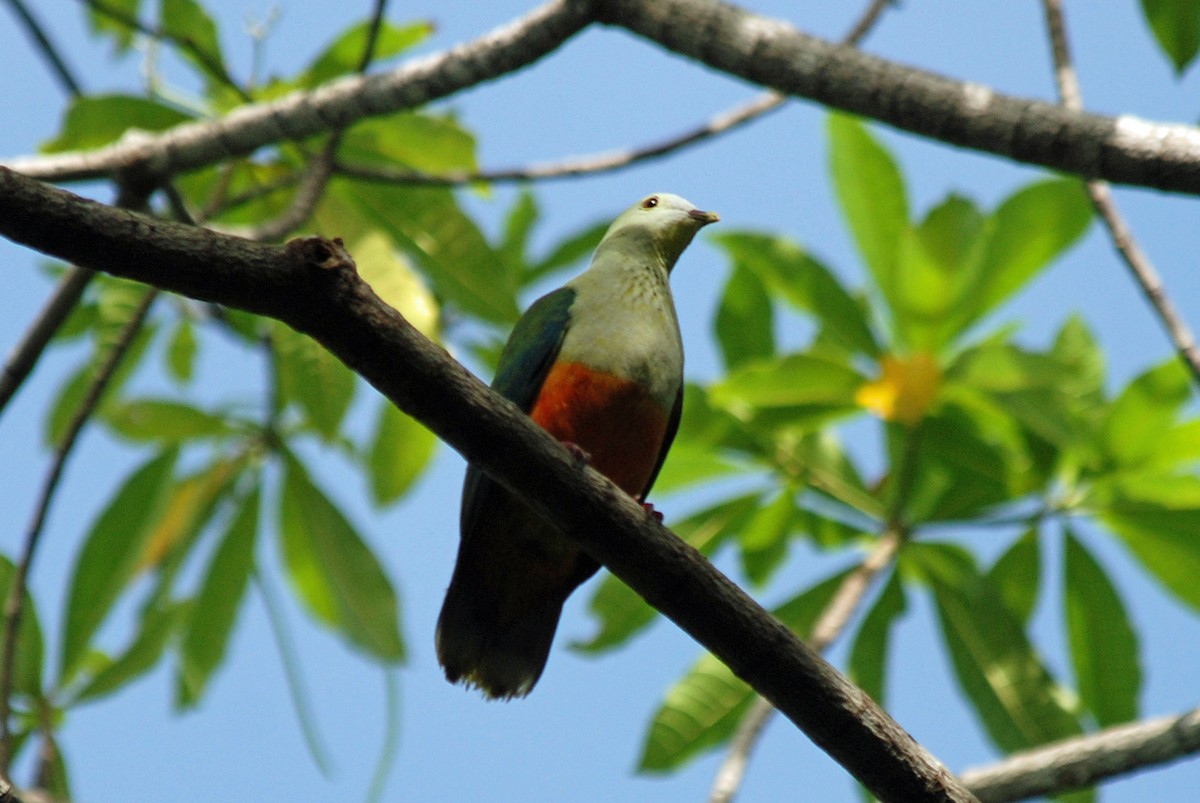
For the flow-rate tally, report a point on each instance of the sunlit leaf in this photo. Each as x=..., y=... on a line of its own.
x=1176, y=26
x=333, y=571
x=181, y=351
x=318, y=382
x=1104, y=646
x=518, y=224
x=122, y=34
x=345, y=53
x=871, y=192
x=215, y=608
x=110, y=555
x=705, y=706
x=95, y=120
x=1143, y=413
x=745, y=320
x=798, y=388
x=400, y=451
x=1014, y=695
x=187, y=22
x=164, y=420
x=394, y=281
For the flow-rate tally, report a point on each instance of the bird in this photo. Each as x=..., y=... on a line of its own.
x=598, y=363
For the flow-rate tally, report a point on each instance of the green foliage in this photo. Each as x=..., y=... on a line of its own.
x=95, y=120
x=1176, y=26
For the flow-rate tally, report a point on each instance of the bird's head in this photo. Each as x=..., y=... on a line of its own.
x=662, y=222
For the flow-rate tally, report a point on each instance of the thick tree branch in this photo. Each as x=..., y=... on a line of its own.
x=311, y=285
x=1084, y=761
x=328, y=108
x=774, y=54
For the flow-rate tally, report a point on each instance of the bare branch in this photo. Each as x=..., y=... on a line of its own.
x=328, y=108
x=312, y=286
x=1083, y=761
x=1139, y=264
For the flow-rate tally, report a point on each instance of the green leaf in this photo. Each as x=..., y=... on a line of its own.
x=214, y=611
x=400, y=451
x=568, y=251
x=29, y=656
x=110, y=556
x=111, y=25
x=1176, y=26
x=1014, y=695
x=395, y=282
x=163, y=420
x=1144, y=412
x=1028, y=230
x=158, y=625
x=871, y=192
x=314, y=379
x=690, y=463
x=1158, y=518
x=1016, y=575
x=787, y=271
x=95, y=120
x=619, y=610
x=333, y=571
x=764, y=539
x=705, y=706
x=345, y=53
x=1104, y=645
x=181, y=351
x=797, y=389
x=517, y=226
x=187, y=22
x=868, y=653
x=745, y=320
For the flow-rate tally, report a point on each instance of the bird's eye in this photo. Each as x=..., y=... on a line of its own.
x=650, y=202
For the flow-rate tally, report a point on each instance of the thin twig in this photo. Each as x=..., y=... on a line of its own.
x=14, y=604
x=1100, y=192
x=49, y=52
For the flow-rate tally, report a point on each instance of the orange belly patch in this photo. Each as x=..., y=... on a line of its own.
x=615, y=421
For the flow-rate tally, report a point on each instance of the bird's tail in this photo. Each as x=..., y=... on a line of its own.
x=495, y=639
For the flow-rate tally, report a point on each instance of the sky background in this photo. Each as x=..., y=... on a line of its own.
x=577, y=738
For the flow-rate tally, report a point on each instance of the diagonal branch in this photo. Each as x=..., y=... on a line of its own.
x=1139, y=264
x=50, y=53
x=328, y=108
x=311, y=285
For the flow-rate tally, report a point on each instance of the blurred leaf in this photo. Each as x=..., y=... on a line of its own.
x=569, y=250
x=1176, y=26
x=514, y=244
x=121, y=34
x=619, y=610
x=704, y=707
x=905, y=389
x=1028, y=230
x=163, y=420
x=871, y=192
x=187, y=22
x=799, y=279
x=29, y=656
x=1018, y=702
x=420, y=141
x=344, y=54
x=318, y=382
x=1158, y=518
x=190, y=504
x=1016, y=575
x=95, y=120
x=764, y=537
x=181, y=351
x=691, y=463
x=333, y=571
x=1104, y=645
x=109, y=556
x=935, y=265
x=215, y=608
x=798, y=389
x=394, y=281
x=1143, y=413
x=868, y=653
x=154, y=632
x=400, y=451
x=745, y=320
x=826, y=467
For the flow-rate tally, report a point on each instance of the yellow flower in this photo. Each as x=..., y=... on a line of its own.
x=904, y=391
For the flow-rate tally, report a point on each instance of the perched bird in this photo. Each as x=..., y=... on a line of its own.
x=597, y=363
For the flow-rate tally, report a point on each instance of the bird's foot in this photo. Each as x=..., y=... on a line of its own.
x=649, y=508
x=578, y=453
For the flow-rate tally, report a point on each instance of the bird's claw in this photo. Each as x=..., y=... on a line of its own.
x=577, y=452
x=649, y=508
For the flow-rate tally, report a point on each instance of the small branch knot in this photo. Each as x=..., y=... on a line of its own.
x=322, y=254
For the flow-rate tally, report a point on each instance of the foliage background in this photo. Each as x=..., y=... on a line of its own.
x=578, y=737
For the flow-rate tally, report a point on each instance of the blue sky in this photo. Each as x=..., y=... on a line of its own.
x=578, y=736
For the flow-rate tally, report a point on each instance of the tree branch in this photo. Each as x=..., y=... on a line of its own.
x=311, y=285
x=774, y=54
x=1083, y=761
x=333, y=106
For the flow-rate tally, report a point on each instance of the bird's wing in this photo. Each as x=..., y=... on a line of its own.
x=668, y=439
